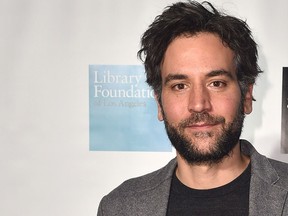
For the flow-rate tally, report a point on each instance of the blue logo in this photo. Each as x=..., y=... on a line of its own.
x=123, y=111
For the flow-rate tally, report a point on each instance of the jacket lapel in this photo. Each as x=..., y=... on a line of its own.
x=154, y=199
x=266, y=197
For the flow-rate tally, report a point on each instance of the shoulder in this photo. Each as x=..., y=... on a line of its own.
x=269, y=170
x=146, y=182
x=144, y=190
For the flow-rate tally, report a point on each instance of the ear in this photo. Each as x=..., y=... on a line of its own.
x=248, y=100
x=160, y=113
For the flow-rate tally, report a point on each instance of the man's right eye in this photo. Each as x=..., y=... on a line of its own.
x=179, y=86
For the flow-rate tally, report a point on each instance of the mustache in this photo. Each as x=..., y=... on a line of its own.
x=201, y=117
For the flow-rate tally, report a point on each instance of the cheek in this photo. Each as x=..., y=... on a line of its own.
x=174, y=110
x=227, y=108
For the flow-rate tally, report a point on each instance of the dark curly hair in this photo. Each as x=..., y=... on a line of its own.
x=189, y=18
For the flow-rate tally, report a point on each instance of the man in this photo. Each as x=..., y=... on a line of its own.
x=202, y=65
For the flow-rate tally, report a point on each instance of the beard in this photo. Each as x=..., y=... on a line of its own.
x=221, y=142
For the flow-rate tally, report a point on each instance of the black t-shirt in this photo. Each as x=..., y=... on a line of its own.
x=230, y=199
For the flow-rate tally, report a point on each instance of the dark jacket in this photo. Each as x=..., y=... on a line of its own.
x=148, y=195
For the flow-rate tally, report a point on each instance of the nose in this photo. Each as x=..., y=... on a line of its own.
x=199, y=100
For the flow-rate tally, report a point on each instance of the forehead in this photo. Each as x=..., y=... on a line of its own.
x=200, y=53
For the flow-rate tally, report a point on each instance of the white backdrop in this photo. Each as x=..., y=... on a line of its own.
x=45, y=49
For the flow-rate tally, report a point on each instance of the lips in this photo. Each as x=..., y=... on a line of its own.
x=201, y=120
x=201, y=125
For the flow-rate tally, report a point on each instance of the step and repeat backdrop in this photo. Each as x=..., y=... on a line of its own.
x=76, y=116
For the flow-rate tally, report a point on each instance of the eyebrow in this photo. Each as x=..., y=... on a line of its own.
x=212, y=73
x=220, y=72
x=171, y=77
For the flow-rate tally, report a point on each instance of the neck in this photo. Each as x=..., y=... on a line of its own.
x=215, y=175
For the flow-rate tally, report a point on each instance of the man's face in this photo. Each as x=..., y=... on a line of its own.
x=201, y=102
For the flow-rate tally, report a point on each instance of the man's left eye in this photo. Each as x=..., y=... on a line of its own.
x=218, y=84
